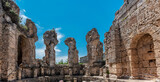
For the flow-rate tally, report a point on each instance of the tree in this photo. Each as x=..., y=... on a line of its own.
x=60, y=62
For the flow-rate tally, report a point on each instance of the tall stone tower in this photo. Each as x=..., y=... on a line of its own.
x=72, y=52
x=50, y=40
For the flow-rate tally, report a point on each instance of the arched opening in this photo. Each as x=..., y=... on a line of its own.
x=143, y=58
x=23, y=51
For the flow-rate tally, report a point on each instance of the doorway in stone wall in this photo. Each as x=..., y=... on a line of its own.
x=23, y=51
x=143, y=58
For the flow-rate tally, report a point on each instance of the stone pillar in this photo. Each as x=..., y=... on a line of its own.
x=94, y=47
x=50, y=40
x=72, y=52
x=94, y=50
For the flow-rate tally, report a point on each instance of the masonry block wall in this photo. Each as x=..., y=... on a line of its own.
x=138, y=22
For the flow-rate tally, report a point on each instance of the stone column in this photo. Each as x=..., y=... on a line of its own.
x=72, y=52
x=94, y=50
x=50, y=40
x=94, y=47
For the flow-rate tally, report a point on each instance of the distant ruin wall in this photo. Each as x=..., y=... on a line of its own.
x=84, y=59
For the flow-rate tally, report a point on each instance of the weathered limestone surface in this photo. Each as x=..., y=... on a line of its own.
x=72, y=52
x=132, y=43
x=132, y=47
x=50, y=40
x=17, y=50
x=95, y=53
x=94, y=47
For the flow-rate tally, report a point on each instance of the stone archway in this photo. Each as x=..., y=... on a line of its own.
x=23, y=51
x=143, y=58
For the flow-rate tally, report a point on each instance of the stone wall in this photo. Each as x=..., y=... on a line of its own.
x=133, y=21
x=12, y=34
x=84, y=59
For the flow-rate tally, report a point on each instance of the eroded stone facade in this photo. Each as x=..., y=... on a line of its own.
x=17, y=44
x=132, y=43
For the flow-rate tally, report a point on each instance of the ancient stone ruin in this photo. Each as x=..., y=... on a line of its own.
x=95, y=53
x=132, y=48
x=132, y=43
x=50, y=40
x=72, y=52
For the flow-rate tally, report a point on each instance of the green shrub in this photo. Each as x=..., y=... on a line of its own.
x=80, y=63
x=14, y=16
x=107, y=71
x=61, y=62
x=10, y=12
x=24, y=27
x=7, y=4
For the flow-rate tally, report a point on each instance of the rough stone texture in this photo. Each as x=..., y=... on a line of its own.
x=94, y=47
x=72, y=52
x=16, y=48
x=95, y=53
x=50, y=40
x=132, y=43
x=84, y=59
x=132, y=48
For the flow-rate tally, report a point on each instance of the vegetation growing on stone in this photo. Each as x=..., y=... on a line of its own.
x=7, y=4
x=107, y=71
x=10, y=12
x=13, y=15
x=24, y=27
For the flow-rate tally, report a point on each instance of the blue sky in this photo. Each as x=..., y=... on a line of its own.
x=70, y=18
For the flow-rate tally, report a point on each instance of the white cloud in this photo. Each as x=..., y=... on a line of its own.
x=40, y=53
x=57, y=50
x=24, y=10
x=59, y=34
x=23, y=16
